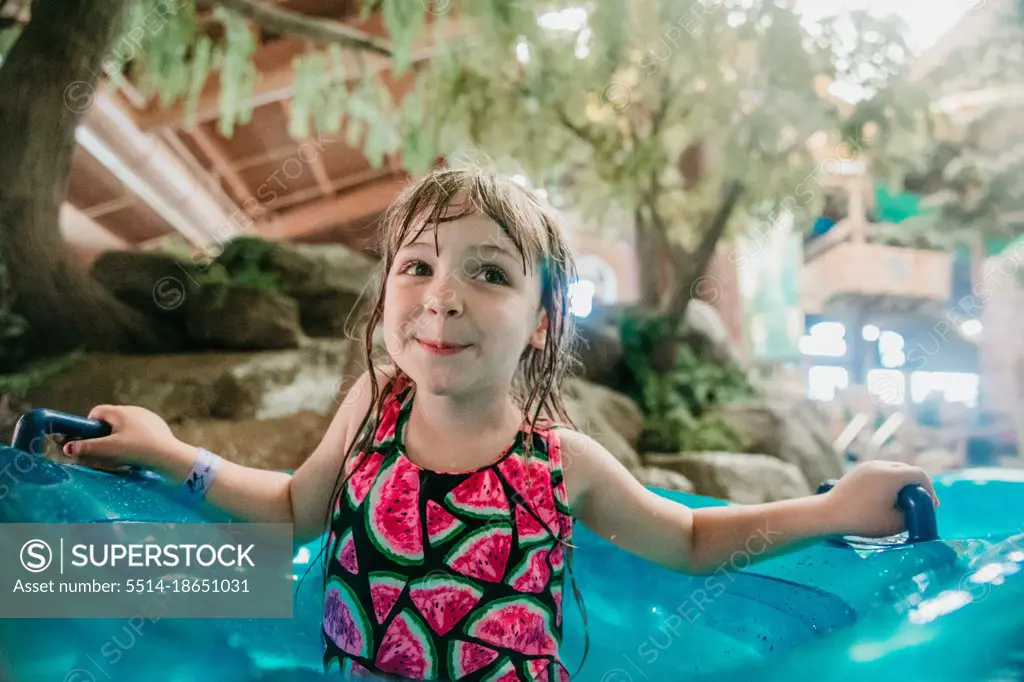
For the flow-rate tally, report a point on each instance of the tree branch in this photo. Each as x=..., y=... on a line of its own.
x=294, y=23
x=710, y=236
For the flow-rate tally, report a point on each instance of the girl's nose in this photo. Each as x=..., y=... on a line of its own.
x=443, y=300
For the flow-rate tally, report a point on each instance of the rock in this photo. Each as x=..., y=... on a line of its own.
x=742, y=478
x=327, y=280
x=313, y=269
x=654, y=477
x=242, y=318
x=790, y=434
x=184, y=386
x=152, y=283
x=283, y=443
x=610, y=418
x=707, y=331
x=600, y=352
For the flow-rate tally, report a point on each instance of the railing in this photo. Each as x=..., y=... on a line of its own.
x=835, y=263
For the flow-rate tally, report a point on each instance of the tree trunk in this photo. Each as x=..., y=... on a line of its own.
x=46, y=84
x=689, y=280
x=658, y=261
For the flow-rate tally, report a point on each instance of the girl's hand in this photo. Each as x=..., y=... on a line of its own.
x=863, y=502
x=138, y=436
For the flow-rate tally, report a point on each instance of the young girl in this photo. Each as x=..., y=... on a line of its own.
x=448, y=481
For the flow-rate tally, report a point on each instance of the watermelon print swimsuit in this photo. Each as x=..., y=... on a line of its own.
x=447, y=576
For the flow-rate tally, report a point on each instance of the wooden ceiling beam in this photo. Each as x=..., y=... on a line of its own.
x=317, y=164
x=214, y=151
x=111, y=206
x=354, y=207
x=346, y=182
x=81, y=230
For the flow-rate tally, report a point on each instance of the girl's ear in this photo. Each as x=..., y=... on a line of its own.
x=540, y=334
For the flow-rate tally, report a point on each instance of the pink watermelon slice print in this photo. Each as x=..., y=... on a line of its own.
x=354, y=671
x=347, y=553
x=388, y=421
x=393, y=517
x=532, y=573
x=359, y=484
x=344, y=620
x=503, y=672
x=528, y=528
x=537, y=669
x=480, y=496
x=385, y=589
x=465, y=658
x=444, y=600
x=557, y=558
x=519, y=623
x=407, y=649
x=483, y=554
x=533, y=487
x=441, y=525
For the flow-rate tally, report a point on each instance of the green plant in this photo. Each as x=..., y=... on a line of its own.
x=243, y=263
x=677, y=404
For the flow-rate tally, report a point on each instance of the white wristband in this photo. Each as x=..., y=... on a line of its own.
x=201, y=476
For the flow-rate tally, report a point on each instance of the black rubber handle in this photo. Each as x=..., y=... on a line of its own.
x=918, y=511
x=42, y=422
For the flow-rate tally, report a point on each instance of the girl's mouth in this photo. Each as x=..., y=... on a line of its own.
x=441, y=347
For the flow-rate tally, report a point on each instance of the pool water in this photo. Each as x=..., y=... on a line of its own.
x=943, y=610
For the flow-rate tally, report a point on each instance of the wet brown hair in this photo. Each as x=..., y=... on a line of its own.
x=447, y=194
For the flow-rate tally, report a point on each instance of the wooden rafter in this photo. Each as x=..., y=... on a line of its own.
x=349, y=181
x=284, y=21
x=221, y=163
x=107, y=207
x=323, y=181
x=354, y=207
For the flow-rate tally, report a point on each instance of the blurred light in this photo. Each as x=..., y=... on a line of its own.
x=956, y=387
x=829, y=329
x=971, y=327
x=522, y=51
x=890, y=342
x=582, y=44
x=571, y=19
x=894, y=359
x=823, y=346
x=581, y=297
x=520, y=179
x=993, y=573
x=823, y=380
x=947, y=602
x=870, y=332
x=302, y=557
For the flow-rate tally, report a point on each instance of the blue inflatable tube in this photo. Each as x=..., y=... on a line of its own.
x=938, y=608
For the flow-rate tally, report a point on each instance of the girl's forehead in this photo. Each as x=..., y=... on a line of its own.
x=468, y=231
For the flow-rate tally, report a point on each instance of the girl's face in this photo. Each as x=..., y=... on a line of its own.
x=458, y=315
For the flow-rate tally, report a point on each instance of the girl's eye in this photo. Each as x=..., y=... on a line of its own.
x=416, y=268
x=494, y=275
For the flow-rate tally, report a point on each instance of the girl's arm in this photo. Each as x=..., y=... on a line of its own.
x=141, y=437
x=606, y=498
